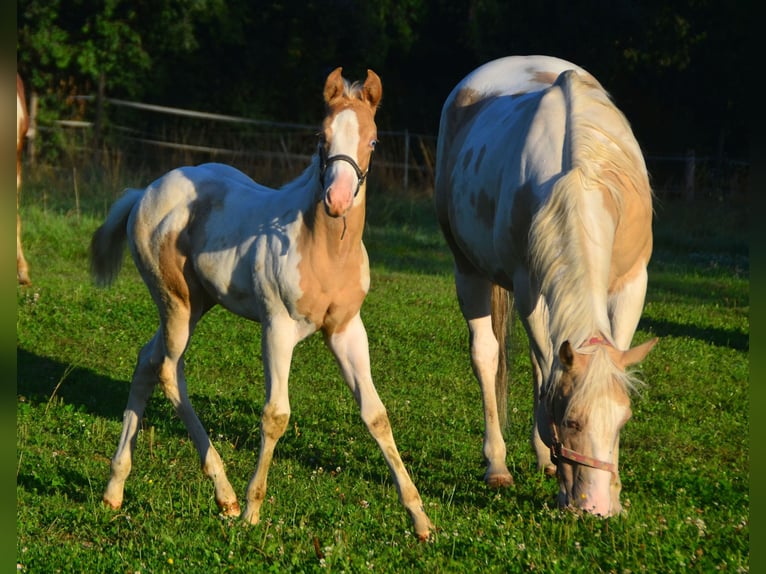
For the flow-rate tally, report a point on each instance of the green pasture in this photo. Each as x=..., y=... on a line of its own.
x=331, y=505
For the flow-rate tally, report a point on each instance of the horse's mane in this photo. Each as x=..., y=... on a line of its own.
x=600, y=156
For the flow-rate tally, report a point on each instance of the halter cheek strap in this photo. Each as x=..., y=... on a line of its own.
x=324, y=163
x=560, y=452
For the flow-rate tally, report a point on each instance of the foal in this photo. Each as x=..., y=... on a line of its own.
x=291, y=259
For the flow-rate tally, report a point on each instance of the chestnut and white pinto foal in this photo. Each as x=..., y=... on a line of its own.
x=290, y=258
x=541, y=189
x=22, y=125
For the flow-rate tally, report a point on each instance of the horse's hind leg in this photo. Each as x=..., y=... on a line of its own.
x=351, y=350
x=141, y=387
x=474, y=296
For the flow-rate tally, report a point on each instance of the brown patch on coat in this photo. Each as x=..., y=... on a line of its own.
x=522, y=212
x=330, y=271
x=486, y=207
x=172, y=256
x=544, y=77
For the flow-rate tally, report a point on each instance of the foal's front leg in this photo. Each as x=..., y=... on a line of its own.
x=351, y=350
x=277, y=342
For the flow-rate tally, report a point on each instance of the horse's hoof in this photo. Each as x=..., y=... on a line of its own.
x=550, y=470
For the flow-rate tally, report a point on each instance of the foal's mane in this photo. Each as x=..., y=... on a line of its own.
x=601, y=156
x=350, y=90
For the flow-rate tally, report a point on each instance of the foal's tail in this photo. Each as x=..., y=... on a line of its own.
x=108, y=244
x=502, y=319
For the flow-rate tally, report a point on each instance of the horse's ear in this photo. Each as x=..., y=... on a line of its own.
x=333, y=87
x=372, y=89
x=637, y=354
x=566, y=355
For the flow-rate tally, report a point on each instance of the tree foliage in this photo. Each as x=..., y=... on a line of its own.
x=267, y=59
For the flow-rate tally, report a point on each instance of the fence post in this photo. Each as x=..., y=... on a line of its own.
x=406, y=158
x=689, y=180
x=32, y=130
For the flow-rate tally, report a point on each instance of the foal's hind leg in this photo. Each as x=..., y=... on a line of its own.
x=141, y=387
x=178, y=326
x=351, y=350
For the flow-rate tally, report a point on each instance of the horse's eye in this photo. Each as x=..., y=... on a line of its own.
x=373, y=143
x=572, y=424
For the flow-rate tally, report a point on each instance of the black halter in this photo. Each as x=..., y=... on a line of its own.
x=324, y=163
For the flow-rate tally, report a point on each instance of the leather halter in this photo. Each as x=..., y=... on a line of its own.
x=324, y=163
x=560, y=452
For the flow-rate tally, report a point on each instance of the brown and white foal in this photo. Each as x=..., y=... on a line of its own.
x=290, y=258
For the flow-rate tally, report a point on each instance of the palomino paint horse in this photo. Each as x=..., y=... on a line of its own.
x=291, y=259
x=541, y=189
x=22, y=125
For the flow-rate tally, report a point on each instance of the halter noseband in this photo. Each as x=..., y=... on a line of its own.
x=560, y=452
x=324, y=163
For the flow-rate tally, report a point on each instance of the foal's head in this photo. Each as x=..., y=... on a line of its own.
x=588, y=403
x=347, y=139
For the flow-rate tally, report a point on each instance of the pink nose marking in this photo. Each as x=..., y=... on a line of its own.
x=339, y=195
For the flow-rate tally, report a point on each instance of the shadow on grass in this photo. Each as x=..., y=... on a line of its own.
x=717, y=337
x=38, y=379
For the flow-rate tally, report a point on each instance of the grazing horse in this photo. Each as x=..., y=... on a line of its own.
x=22, y=125
x=542, y=191
x=291, y=259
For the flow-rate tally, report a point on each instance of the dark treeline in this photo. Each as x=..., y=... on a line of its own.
x=675, y=67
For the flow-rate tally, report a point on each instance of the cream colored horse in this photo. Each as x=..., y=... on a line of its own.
x=541, y=189
x=22, y=125
x=290, y=258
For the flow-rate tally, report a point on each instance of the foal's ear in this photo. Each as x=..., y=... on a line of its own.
x=566, y=355
x=372, y=89
x=333, y=87
x=637, y=354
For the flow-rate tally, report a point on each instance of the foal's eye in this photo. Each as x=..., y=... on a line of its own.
x=373, y=143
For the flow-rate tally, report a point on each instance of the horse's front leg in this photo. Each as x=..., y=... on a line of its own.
x=474, y=297
x=278, y=342
x=351, y=350
x=533, y=311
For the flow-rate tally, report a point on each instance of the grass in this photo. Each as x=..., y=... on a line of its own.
x=331, y=505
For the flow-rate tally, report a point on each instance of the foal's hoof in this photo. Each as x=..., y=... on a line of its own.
x=250, y=516
x=230, y=509
x=499, y=480
x=112, y=505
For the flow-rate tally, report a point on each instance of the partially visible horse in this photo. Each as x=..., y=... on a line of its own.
x=22, y=125
x=542, y=190
x=290, y=258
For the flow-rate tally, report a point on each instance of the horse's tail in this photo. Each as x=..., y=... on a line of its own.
x=108, y=243
x=502, y=319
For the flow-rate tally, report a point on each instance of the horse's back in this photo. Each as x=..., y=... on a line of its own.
x=501, y=143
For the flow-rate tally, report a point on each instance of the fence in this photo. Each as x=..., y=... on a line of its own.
x=160, y=137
